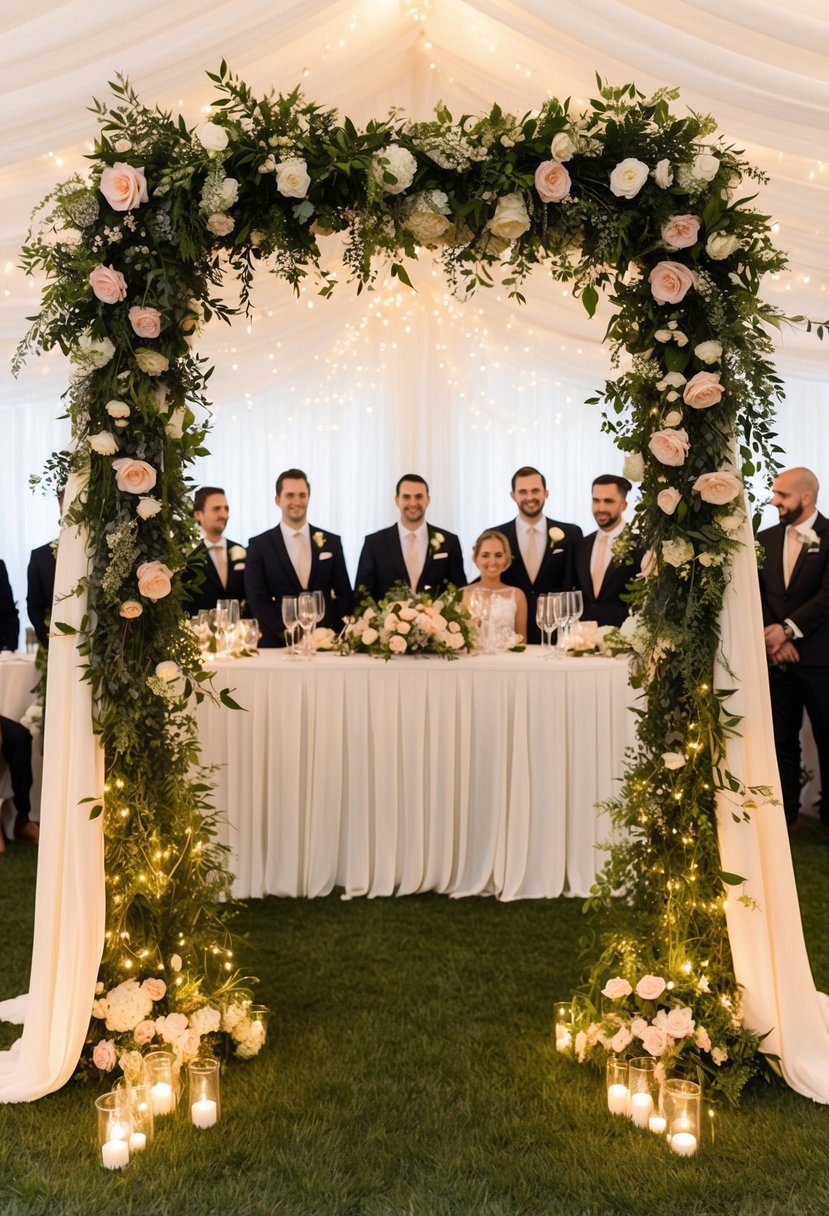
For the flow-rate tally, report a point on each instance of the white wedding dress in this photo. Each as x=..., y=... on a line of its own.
x=494, y=609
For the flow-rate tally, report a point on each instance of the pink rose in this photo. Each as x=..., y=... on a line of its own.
x=154, y=582
x=654, y=1040
x=668, y=501
x=220, y=224
x=718, y=488
x=144, y=1032
x=638, y=1027
x=681, y=231
x=134, y=476
x=145, y=321
x=670, y=446
x=703, y=390
x=103, y=1056
x=670, y=282
x=154, y=988
x=650, y=987
x=679, y=1023
x=124, y=187
x=108, y=284
x=616, y=988
x=621, y=1039
x=552, y=181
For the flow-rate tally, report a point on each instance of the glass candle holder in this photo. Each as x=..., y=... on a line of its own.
x=114, y=1129
x=139, y=1098
x=643, y=1089
x=683, y=1102
x=563, y=1017
x=259, y=1015
x=204, y=1092
x=161, y=1078
x=618, y=1094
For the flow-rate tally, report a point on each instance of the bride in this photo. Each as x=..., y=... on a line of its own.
x=500, y=611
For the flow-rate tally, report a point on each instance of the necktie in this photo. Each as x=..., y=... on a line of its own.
x=412, y=564
x=302, y=564
x=793, y=547
x=533, y=558
x=219, y=555
x=599, y=563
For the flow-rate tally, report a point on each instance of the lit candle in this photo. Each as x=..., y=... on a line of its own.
x=618, y=1097
x=162, y=1097
x=115, y=1154
x=684, y=1143
x=204, y=1113
x=138, y=1142
x=563, y=1039
x=641, y=1105
x=657, y=1124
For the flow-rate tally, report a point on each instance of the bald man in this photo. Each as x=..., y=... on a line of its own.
x=794, y=588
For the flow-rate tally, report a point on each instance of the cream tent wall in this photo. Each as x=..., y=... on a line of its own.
x=359, y=389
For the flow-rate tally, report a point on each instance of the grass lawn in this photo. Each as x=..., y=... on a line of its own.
x=409, y=1071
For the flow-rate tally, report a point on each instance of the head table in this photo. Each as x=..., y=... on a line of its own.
x=478, y=776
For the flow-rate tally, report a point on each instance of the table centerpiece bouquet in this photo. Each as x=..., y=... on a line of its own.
x=407, y=622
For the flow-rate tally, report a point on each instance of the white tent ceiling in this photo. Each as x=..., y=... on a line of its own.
x=760, y=68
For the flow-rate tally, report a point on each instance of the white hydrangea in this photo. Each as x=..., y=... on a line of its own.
x=398, y=162
x=206, y=1020
x=127, y=1005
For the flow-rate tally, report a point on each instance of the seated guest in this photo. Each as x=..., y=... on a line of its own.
x=9, y=619
x=16, y=749
x=410, y=551
x=541, y=547
x=504, y=608
x=40, y=585
x=600, y=579
x=294, y=556
x=220, y=562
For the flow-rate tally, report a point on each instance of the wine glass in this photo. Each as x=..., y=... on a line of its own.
x=542, y=610
x=306, y=613
x=319, y=605
x=290, y=619
x=576, y=603
x=232, y=615
x=248, y=635
x=559, y=606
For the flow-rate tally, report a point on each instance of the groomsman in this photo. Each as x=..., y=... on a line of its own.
x=542, y=548
x=9, y=619
x=40, y=585
x=794, y=590
x=294, y=556
x=410, y=551
x=600, y=579
x=220, y=562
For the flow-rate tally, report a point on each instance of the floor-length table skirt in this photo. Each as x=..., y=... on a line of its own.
x=470, y=777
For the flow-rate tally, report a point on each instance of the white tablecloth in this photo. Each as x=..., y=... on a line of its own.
x=475, y=776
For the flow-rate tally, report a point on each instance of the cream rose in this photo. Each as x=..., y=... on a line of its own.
x=703, y=390
x=681, y=231
x=718, y=488
x=562, y=146
x=130, y=609
x=118, y=409
x=212, y=137
x=668, y=500
x=154, y=580
x=616, y=988
x=708, y=352
x=104, y=443
x=650, y=987
x=633, y=466
x=706, y=166
x=511, y=219
x=292, y=178
x=679, y=1023
x=552, y=181
x=677, y=552
x=151, y=361
x=721, y=245
x=229, y=193
x=108, y=284
x=146, y=322
x=426, y=216
x=663, y=174
x=370, y=636
x=628, y=178
x=670, y=446
x=220, y=224
x=133, y=476
x=621, y=1039
x=175, y=962
x=673, y=417
x=673, y=760
x=147, y=507
x=670, y=282
x=397, y=645
x=671, y=380
x=167, y=671
x=123, y=186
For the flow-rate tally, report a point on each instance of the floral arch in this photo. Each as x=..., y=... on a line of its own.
x=624, y=198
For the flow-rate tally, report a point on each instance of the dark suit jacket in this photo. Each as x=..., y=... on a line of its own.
x=40, y=590
x=806, y=599
x=382, y=563
x=554, y=574
x=9, y=619
x=607, y=608
x=211, y=588
x=270, y=574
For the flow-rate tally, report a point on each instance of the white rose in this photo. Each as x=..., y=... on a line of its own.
x=148, y=507
x=671, y=380
x=628, y=178
x=673, y=417
x=167, y=670
x=721, y=245
x=562, y=147
x=664, y=335
x=555, y=535
x=370, y=636
x=616, y=988
x=673, y=760
x=118, y=409
x=92, y=353
x=104, y=443
x=677, y=552
x=663, y=174
x=151, y=361
x=511, y=218
x=292, y=179
x=708, y=352
x=212, y=137
x=229, y=193
x=398, y=163
x=706, y=167
x=633, y=467
x=397, y=645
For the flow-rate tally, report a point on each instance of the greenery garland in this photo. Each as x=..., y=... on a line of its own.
x=623, y=197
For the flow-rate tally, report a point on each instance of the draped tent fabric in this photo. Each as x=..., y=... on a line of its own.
x=464, y=392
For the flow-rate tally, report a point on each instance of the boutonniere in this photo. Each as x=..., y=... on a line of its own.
x=319, y=539
x=237, y=553
x=809, y=539
x=436, y=540
x=555, y=535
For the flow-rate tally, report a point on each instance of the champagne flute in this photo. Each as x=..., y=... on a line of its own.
x=290, y=620
x=542, y=608
x=232, y=626
x=306, y=612
x=576, y=607
x=558, y=620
